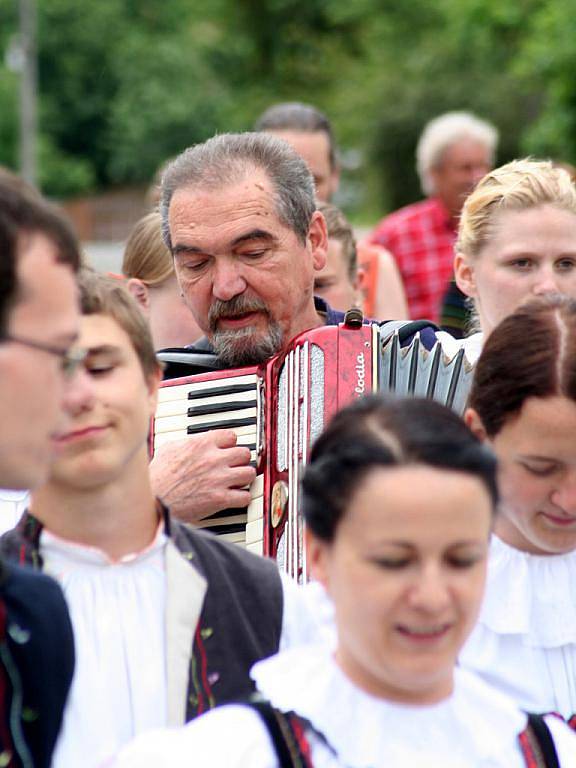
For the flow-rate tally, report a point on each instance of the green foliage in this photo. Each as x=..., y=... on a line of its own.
x=125, y=84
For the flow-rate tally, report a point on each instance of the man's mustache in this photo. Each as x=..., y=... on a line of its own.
x=238, y=305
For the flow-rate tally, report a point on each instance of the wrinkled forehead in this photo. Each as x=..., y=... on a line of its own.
x=222, y=213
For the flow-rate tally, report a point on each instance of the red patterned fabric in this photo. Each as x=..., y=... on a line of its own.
x=529, y=750
x=301, y=740
x=421, y=238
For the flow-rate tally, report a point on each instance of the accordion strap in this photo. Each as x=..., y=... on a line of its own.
x=538, y=745
x=286, y=733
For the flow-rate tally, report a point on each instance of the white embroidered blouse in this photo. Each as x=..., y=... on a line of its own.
x=525, y=639
x=476, y=726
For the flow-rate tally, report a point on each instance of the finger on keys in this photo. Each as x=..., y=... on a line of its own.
x=242, y=476
x=225, y=438
x=238, y=498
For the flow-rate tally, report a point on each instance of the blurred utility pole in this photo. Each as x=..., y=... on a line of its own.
x=28, y=90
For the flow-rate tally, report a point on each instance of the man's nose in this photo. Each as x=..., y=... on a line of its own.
x=78, y=392
x=227, y=280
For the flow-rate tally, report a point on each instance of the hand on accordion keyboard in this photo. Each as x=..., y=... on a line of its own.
x=202, y=474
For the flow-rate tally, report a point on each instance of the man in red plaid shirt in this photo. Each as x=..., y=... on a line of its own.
x=454, y=151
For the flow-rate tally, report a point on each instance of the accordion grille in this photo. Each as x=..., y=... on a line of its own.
x=299, y=420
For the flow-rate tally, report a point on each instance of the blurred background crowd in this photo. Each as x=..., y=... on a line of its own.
x=120, y=87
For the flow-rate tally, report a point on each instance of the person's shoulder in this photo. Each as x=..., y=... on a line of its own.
x=564, y=740
x=250, y=744
x=188, y=361
x=407, y=330
x=10, y=542
x=32, y=593
x=491, y=703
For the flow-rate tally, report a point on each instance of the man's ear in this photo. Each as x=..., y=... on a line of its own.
x=465, y=275
x=140, y=291
x=318, y=239
x=474, y=424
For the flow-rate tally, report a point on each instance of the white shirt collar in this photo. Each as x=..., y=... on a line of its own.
x=530, y=595
x=475, y=718
x=56, y=547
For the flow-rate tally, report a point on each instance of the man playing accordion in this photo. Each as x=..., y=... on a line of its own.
x=240, y=217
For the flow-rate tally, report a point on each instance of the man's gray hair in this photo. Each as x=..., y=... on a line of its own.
x=226, y=159
x=444, y=131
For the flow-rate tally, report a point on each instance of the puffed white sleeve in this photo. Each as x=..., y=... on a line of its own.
x=308, y=615
x=231, y=736
x=564, y=740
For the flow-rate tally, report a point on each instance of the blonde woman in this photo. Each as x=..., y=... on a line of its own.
x=516, y=241
x=149, y=268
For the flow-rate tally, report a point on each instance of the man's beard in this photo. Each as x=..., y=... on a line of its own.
x=243, y=346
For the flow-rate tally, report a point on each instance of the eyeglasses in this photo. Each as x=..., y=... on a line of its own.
x=70, y=359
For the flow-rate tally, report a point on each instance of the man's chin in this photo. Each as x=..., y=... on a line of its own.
x=246, y=346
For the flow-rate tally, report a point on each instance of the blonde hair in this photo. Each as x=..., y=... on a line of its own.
x=516, y=186
x=146, y=255
x=339, y=228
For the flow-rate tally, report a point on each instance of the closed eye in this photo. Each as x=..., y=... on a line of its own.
x=391, y=563
x=544, y=470
x=192, y=266
x=461, y=562
x=99, y=370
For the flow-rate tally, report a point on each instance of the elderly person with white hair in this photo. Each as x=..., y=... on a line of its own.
x=454, y=152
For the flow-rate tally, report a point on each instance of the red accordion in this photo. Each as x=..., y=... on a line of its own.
x=278, y=409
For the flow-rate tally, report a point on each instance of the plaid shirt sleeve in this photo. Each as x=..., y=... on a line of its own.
x=421, y=238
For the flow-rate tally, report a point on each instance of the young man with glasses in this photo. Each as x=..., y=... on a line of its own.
x=38, y=330
x=168, y=620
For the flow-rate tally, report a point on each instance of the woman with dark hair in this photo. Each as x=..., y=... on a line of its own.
x=399, y=498
x=523, y=404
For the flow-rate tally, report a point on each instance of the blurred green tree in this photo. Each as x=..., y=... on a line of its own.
x=125, y=84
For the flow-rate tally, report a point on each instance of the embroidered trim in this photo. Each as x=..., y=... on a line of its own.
x=530, y=749
x=300, y=736
x=201, y=683
x=13, y=742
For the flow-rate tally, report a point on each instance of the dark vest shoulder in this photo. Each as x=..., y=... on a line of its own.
x=241, y=619
x=247, y=577
x=39, y=648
